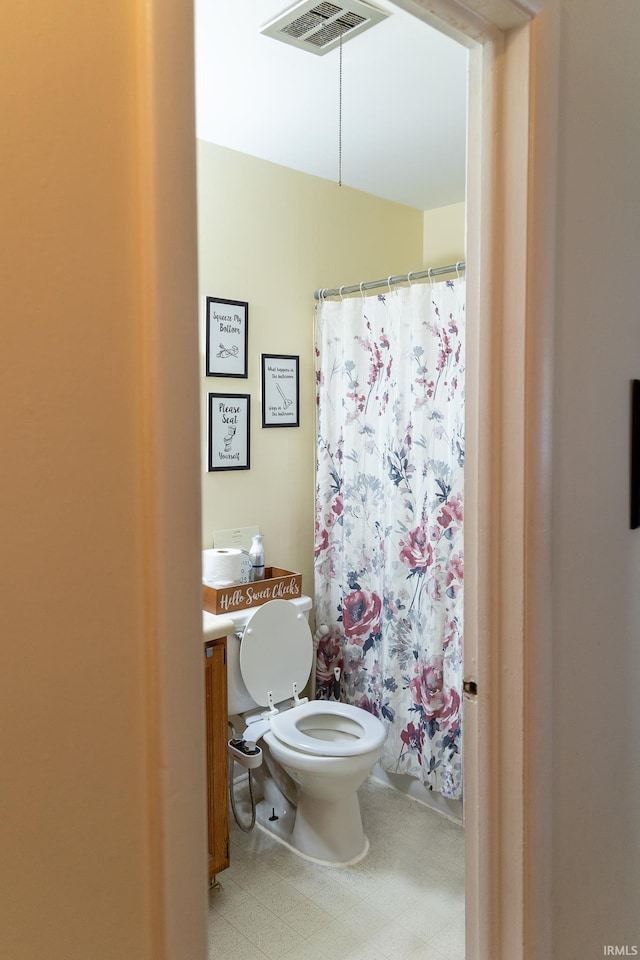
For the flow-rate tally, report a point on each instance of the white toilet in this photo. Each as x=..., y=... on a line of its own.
x=316, y=753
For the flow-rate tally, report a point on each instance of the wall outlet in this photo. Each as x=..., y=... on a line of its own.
x=239, y=538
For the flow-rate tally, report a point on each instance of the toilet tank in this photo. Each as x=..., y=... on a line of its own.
x=239, y=699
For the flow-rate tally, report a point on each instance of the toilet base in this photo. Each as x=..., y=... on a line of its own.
x=326, y=833
x=281, y=831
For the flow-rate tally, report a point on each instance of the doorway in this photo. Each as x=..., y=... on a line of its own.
x=306, y=231
x=500, y=304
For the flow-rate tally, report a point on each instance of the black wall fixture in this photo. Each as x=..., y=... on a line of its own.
x=635, y=454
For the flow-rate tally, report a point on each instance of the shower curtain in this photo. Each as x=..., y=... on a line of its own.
x=389, y=503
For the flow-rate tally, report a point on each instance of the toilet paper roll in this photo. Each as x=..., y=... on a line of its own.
x=221, y=567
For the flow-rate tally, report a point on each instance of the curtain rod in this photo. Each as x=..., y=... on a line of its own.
x=323, y=293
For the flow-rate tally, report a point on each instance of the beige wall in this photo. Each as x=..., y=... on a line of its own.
x=595, y=777
x=444, y=236
x=271, y=236
x=86, y=869
x=74, y=796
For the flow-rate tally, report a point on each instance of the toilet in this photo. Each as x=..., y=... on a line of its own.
x=316, y=753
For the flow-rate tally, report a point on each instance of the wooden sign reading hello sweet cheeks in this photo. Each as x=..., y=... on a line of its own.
x=278, y=584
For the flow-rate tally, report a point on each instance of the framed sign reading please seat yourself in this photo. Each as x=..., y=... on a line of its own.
x=229, y=430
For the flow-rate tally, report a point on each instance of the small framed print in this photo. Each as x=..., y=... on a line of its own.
x=227, y=335
x=229, y=426
x=280, y=390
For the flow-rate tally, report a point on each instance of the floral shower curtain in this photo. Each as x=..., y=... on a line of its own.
x=389, y=549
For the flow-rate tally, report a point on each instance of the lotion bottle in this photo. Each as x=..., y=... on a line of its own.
x=256, y=553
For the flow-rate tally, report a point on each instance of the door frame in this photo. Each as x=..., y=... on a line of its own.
x=512, y=119
x=513, y=87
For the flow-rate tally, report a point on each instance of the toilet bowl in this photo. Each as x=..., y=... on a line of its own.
x=317, y=753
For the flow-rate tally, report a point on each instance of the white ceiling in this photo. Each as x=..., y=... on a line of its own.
x=404, y=101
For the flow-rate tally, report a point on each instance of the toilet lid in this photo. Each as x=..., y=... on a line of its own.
x=353, y=730
x=276, y=651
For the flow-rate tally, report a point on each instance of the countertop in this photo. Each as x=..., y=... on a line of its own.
x=214, y=626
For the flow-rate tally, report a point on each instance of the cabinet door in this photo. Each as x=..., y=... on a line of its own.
x=217, y=756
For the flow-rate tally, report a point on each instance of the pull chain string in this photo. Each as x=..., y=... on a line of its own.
x=340, y=119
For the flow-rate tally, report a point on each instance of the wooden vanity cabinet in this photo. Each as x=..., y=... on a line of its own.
x=215, y=673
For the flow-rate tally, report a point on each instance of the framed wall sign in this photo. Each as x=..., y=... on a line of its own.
x=227, y=334
x=280, y=390
x=229, y=426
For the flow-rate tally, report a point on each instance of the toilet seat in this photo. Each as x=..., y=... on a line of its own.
x=276, y=651
x=341, y=730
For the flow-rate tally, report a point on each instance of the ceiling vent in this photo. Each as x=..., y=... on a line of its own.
x=317, y=26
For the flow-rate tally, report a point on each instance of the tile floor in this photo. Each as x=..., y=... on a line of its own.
x=404, y=900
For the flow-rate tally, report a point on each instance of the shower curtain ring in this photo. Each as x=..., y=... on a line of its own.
x=430, y=278
x=409, y=277
x=340, y=292
x=458, y=269
x=389, y=283
x=361, y=291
